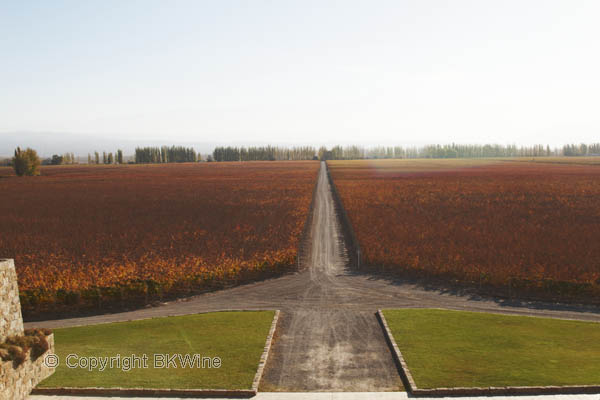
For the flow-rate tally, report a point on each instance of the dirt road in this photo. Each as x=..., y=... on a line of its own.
x=324, y=344
x=328, y=338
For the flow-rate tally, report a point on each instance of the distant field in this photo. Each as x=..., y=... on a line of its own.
x=512, y=228
x=560, y=160
x=100, y=236
x=236, y=338
x=445, y=348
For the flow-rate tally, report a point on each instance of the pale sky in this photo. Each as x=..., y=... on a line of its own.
x=302, y=72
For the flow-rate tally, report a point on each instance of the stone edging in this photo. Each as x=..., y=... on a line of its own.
x=183, y=393
x=411, y=387
x=407, y=378
x=265, y=354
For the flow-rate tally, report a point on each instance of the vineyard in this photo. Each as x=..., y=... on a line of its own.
x=509, y=228
x=101, y=237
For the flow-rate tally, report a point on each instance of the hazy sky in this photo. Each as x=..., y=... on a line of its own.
x=379, y=72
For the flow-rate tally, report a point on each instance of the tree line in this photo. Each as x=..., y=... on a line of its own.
x=456, y=151
x=271, y=153
x=27, y=162
x=165, y=154
x=264, y=153
x=107, y=158
x=60, y=159
x=581, y=149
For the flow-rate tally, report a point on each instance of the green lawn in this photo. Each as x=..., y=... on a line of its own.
x=237, y=338
x=445, y=348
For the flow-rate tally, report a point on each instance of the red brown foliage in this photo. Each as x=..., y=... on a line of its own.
x=533, y=228
x=87, y=235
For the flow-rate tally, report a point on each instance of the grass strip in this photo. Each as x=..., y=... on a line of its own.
x=446, y=348
x=236, y=338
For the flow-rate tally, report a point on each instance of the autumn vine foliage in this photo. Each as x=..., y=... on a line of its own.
x=101, y=237
x=527, y=229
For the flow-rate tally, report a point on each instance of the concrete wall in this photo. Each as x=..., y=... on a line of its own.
x=11, y=321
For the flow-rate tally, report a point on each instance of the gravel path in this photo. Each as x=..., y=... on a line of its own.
x=329, y=338
x=325, y=344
